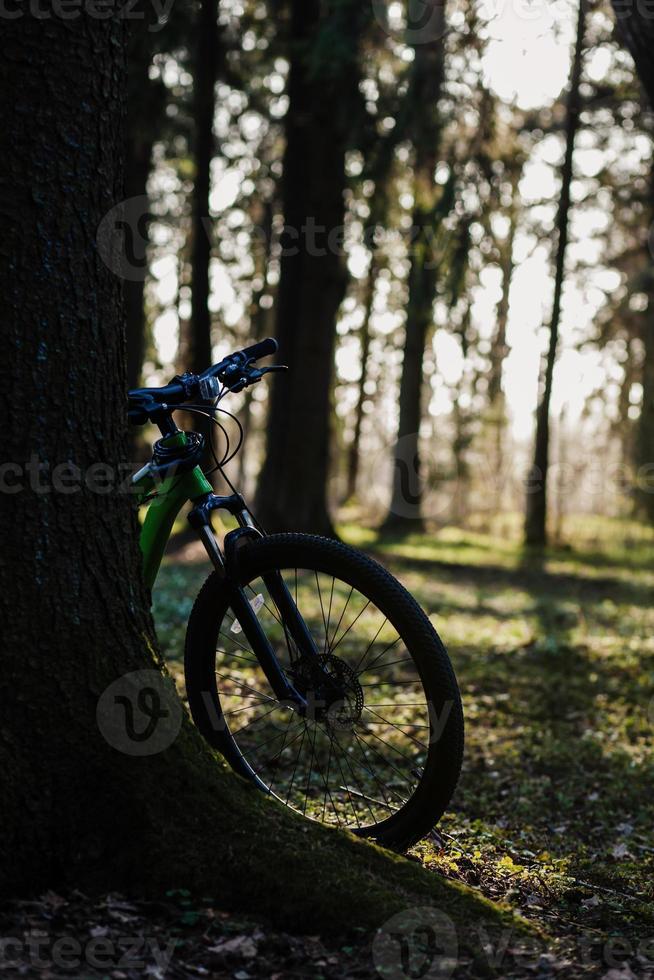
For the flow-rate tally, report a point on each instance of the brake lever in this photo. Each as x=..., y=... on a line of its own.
x=258, y=373
x=273, y=368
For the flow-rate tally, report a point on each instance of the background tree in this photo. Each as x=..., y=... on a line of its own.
x=324, y=44
x=145, y=117
x=206, y=63
x=536, y=506
x=637, y=29
x=423, y=101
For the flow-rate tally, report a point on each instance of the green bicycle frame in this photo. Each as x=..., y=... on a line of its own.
x=166, y=498
x=170, y=496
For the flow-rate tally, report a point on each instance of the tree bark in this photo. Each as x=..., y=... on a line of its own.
x=636, y=27
x=195, y=342
x=259, y=317
x=536, y=504
x=354, y=449
x=145, y=103
x=644, y=442
x=499, y=349
x=293, y=484
x=73, y=607
x=204, y=83
x=498, y=354
x=405, y=512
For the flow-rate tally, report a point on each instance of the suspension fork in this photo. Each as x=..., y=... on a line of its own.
x=291, y=618
x=292, y=621
x=225, y=565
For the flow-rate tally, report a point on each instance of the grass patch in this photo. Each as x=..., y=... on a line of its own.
x=554, y=815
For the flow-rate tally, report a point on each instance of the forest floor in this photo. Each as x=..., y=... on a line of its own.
x=554, y=814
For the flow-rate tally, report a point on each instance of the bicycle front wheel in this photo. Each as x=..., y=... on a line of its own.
x=384, y=758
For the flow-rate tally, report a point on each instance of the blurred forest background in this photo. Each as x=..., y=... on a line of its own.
x=446, y=223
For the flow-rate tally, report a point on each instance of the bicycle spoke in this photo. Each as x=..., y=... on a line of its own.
x=386, y=762
x=232, y=639
x=374, y=775
x=391, y=746
x=247, y=687
x=385, y=650
x=267, y=741
x=329, y=614
x=290, y=789
x=333, y=741
x=280, y=753
x=386, y=722
x=365, y=652
x=270, y=761
x=373, y=800
x=255, y=721
x=327, y=790
x=354, y=776
x=238, y=656
x=355, y=620
x=251, y=697
x=347, y=762
x=341, y=616
x=306, y=791
x=393, y=663
x=392, y=683
x=322, y=608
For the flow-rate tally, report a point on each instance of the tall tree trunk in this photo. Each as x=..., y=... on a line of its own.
x=636, y=27
x=145, y=102
x=536, y=504
x=71, y=591
x=405, y=513
x=204, y=86
x=137, y=170
x=354, y=449
x=645, y=431
x=498, y=354
x=259, y=317
x=322, y=88
x=75, y=810
x=644, y=440
x=499, y=348
x=195, y=343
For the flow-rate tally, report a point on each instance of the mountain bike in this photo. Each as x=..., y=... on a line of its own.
x=307, y=665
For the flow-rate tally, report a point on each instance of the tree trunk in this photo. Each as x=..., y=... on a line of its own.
x=145, y=105
x=645, y=430
x=206, y=70
x=76, y=810
x=405, y=512
x=73, y=607
x=259, y=317
x=498, y=354
x=195, y=344
x=293, y=484
x=145, y=102
x=499, y=349
x=354, y=449
x=636, y=27
x=536, y=505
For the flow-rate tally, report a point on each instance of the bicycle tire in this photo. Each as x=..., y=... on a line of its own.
x=440, y=773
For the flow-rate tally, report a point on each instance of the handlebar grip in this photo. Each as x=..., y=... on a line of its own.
x=262, y=349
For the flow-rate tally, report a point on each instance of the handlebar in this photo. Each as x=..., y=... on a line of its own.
x=262, y=349
x=235, y=371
